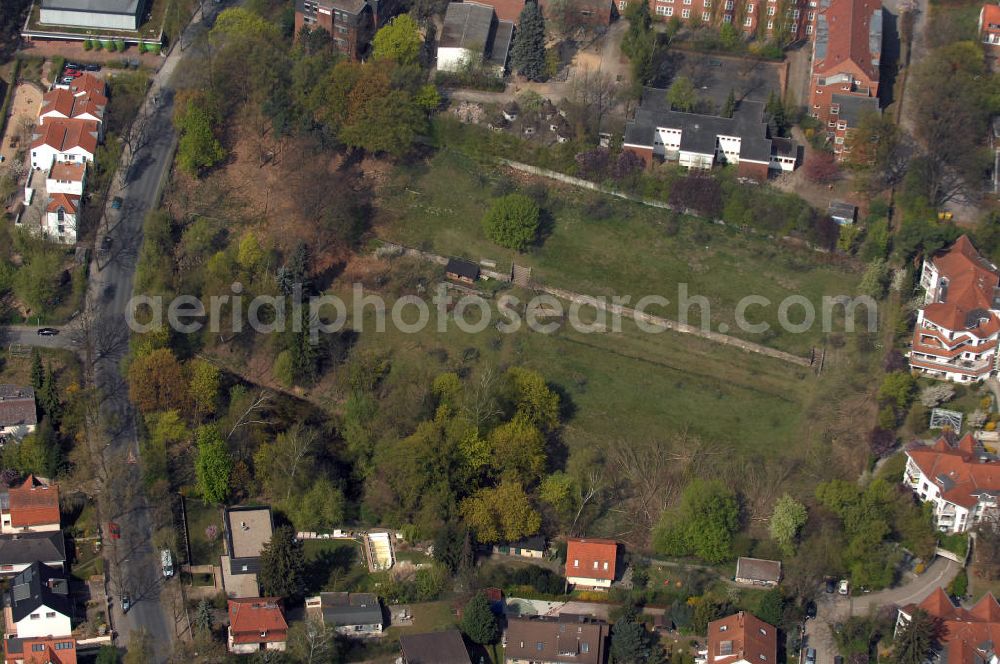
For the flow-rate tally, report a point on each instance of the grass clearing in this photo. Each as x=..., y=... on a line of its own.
x=200, y=516
x=599, y=245
x=334, y=565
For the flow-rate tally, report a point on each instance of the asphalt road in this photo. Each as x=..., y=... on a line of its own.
x=134, y=562
x=27, y=335
x=833, y=608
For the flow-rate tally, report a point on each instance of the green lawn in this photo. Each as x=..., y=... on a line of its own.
x=200, y=516
x=334, y=565
x=600, y=245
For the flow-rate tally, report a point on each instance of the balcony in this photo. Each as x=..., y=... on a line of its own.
x=968, y=367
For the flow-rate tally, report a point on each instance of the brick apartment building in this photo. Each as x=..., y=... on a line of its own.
x=578, y=12
x=847, y=52
x=351, y=23
x=762, y=19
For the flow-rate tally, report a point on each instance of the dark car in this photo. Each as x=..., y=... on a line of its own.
x=829, y=586
x=116, y=203
x=838, y=660
x=92, y=67
x=106, y=242
x=47, y=332
x=810, y=610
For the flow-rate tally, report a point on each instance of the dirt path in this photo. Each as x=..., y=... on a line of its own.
x=27, y=99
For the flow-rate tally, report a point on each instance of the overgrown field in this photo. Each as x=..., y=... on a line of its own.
x=599, y=245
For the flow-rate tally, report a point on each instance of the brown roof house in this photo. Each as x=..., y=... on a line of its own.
x=971, y=636
x=568, y=638
x=591, y=562
x=445, y=647
x=18, y=416
x=32, y=507
x=248, y=529
x=255, y=624
x=741, y=638
x=758, y=572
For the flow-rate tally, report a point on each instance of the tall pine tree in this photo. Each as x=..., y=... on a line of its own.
x=528, y=55
x=49, y=397
x=282, y=565
x=37, y=370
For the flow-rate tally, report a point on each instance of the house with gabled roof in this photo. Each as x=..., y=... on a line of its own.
x=962, y=482
x=741, y=638
x=17, y=552
x=64, y=140
x=38, y=603
x=758, y=572
x=473, y=36
x=565, y=639
x=62, y=104
x=989, y=26
x=591, y=562
x=958, y=327
x=350, y=614
x=847, y=54
x=255, y=624
x=40, y=650
x=31, y=507
x=969, y=636
x=18, y=415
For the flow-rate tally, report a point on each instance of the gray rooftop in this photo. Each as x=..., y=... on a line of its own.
x=32, y=547
x=467, y=25
x=129, y=7
x=36, y=586
x=17, y=406
x=841, y=209
x=500, y=47
x=445, y=647
x=854, y=107
x=699, y=133
x=351, y=609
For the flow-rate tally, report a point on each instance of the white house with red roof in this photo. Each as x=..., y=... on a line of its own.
x=66, y=178
x=989, y=26
x=962, y=482
x=255, y=624
x=31, y=507
x=62, y=104
x=741, y=638
x=970, y=636
x=958, y=327
x=590, y=562
x=61, y=212
x=64, y=140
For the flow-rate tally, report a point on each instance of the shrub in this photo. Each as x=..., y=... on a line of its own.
x=120, y=45
x=512, y=221
x=98, y=44
x=88, y=45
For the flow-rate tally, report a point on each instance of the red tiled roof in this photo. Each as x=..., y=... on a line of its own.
x=67, y=202
x=991, y=18
x=742, y=636
x=34, y=503
x=252, y=617
x=22, y=650
x=67, y=171
x=88, y=84
x=64, y=135
x=596, y=558
x=68, y=105
x=849, y=23
x=966, y=631
x=959, y=472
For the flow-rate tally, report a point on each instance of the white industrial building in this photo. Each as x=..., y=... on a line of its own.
x=99, y=14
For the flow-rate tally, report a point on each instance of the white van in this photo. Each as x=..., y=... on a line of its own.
x=167, y=562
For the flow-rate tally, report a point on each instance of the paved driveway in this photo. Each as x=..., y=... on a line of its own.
x=832, y=608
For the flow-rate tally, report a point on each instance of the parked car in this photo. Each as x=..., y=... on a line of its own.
x=114, y=530
x=73, y=65
x=75, y=73
x=126, y=603
x=838, y=660
x=810, y=610
x=66, y=80
x=92, y=67
x=106, y=242
x=47, y=332
x=829, y=585
x=116, y=203
x=844, y=588
x=811, y=656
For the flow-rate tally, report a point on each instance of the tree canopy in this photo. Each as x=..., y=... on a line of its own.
x=527, y=57
x=512, y=221
x=479, y=623
x=398, y=40
x=282, y=565
x=703, y=525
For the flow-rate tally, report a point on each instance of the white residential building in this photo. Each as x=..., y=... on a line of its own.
x=66, y=178
x=958, y=327
x=60, y=221
x=473, y=36
x=962, y=482
x=39, y=604
x=65, y=141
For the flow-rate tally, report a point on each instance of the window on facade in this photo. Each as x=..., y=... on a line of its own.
x=670, y=11
x=706, y=16
x=36, y=616
x=771, y=10
x=60, y=214
x=834, y=110
x=50, y=614
x=811, y=16
x=727, y=19
x=37, y=647
x=809, y=29
x=729, y=4
x=621, y=5
x=576, y=563
x=839, y=140
x=539, y=646
x=749, y=9
x=748, y=22
x=686, y=13
x=770, y=25
x=662, y=11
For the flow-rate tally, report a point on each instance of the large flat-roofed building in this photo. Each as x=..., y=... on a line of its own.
x=248, y=529
x=473, y=36
x=99, y=14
